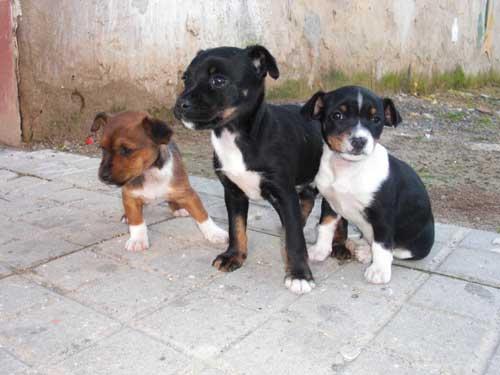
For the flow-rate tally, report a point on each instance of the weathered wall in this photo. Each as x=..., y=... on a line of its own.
x=92, y=55
x=10, y=121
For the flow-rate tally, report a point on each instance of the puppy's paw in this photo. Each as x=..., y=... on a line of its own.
x=212, y=232
x=360, y=249
x=228, y=261
x=138, y=240
x=319, y=252
x=299, y=286
x=182, y=212
x=378, y=273
x=340, y=252
x=137, y=244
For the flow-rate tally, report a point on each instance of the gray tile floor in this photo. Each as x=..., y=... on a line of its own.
x=73, y=301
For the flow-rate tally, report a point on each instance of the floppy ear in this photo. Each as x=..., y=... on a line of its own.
x=263, y=61
x=313, y=109
x=391, y=114
x=159, y=131
x=100, y=119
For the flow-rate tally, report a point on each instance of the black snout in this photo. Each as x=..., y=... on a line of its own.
x=183, y=104
x=358, y=143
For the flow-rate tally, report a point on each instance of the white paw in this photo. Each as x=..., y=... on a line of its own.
x=360, y=249
x=138, y=240
x=180, y=213
x=299, y=286
x=318, y=252
x=378, y=274
x=212, y=232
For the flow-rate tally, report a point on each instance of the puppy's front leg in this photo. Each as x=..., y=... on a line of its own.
x=298, y=277
x=332, y=235
x=237, y=212
x=379, y=271
x=138, y=240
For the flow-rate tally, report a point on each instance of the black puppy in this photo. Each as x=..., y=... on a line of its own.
x=380, y=194
x=262, y=151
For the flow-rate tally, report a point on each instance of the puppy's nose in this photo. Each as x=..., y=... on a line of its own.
x=358, y=143
x=183, y=104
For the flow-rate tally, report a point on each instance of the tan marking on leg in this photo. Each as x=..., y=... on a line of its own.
x=133, y=208
x=306, y=206
x=192, y=203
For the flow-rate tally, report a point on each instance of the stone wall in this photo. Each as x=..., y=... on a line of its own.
x=82, y=56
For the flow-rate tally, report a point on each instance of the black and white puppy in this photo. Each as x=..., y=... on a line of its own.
x=262, y=151
x=380, y=194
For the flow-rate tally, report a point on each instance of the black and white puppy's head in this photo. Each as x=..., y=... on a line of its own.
x=223, y=83
x=352, y=119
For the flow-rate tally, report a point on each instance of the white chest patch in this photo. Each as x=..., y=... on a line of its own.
x=233, y=165
x=349, y=187
x=156, y=182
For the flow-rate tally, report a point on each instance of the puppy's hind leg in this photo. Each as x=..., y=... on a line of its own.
x=191, y=202
x=177, y=211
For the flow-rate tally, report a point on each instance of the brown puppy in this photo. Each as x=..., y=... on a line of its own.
x=138, y=155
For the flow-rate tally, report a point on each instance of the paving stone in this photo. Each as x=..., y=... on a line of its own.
x=10, y=364
x=87, y=227
x=4, y=270
x=20, y=184
x=200, y=324
x=7, y=175
x=347, y=314
x=40, y=327
x=403, y=284
x=184, y=228
x=481, y=240
x=474, y=265
x=455, y=296
x=199, y=367
x=207, y=185
x=183, y=267
x=378, y=361
x=440, y=343
x=127, y=352
x=110, y=287
x=38, y=249
x=493, y=366
x=283, y=345
x=88, y=179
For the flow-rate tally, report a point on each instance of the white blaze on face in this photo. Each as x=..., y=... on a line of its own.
x=360, y=100
x=188, y=124
x=360, y=131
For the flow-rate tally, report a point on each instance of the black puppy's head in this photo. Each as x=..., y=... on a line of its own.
x=223, y=83
x=352, y=119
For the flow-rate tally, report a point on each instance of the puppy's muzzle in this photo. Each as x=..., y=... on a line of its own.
x=358, y=144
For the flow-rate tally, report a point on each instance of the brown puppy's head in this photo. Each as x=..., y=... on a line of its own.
x=130, y=144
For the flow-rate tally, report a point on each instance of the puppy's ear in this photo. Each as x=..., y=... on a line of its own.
x=263, y=61
x=157, y=130
x=101, y=119
x=313, y=109
x=391, y=114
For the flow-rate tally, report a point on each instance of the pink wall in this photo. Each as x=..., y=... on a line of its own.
x=10, y=122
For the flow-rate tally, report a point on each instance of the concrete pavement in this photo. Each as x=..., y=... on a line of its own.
x=73, y=301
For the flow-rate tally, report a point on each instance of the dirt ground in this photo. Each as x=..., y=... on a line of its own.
x=452, y=140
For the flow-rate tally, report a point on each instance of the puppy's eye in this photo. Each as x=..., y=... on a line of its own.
x=376, y=120
x=184, y=77
x=125, y=151
x=336, y=116
x=217, y=81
